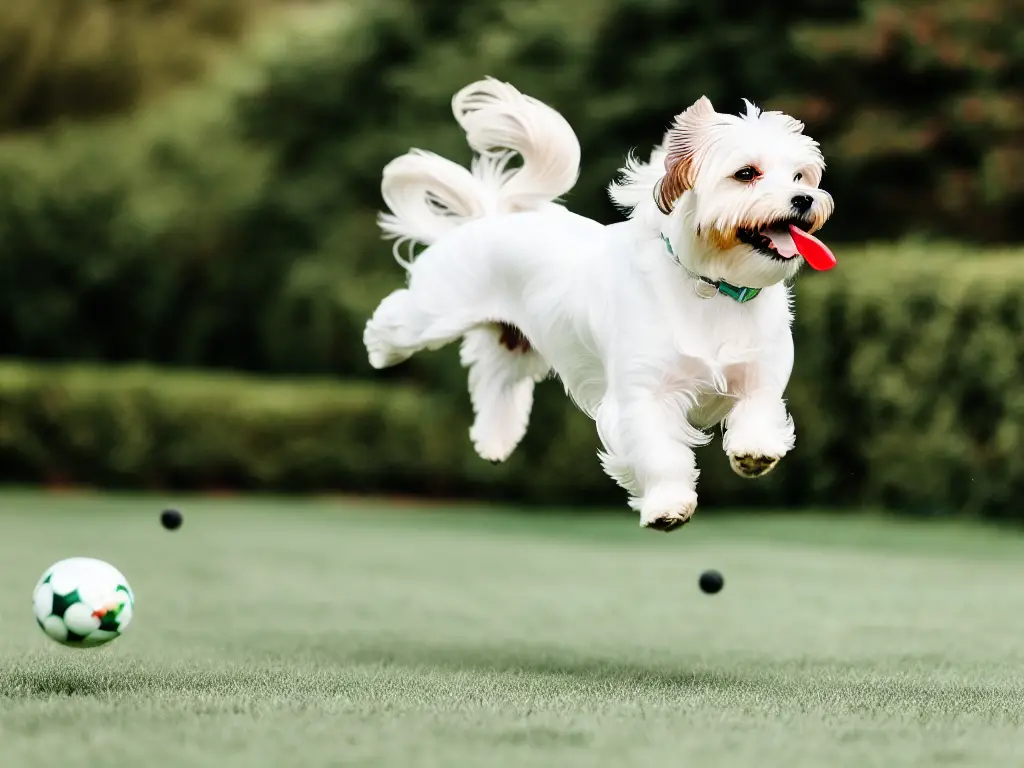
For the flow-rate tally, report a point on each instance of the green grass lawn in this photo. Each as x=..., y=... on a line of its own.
x=284, y=633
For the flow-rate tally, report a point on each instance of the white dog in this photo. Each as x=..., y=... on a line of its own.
x=660, y=327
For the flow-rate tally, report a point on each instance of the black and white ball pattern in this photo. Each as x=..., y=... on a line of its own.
x=83, y=602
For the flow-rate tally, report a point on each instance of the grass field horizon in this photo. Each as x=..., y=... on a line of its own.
x=336, y=632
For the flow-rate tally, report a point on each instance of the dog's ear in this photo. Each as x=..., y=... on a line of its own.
x=681, y=144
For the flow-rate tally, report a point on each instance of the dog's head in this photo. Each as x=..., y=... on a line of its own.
x=742, y=195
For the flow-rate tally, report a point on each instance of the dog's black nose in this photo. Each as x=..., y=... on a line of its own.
x=802, y=203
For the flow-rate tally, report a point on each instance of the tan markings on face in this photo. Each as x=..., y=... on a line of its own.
x=721, y=240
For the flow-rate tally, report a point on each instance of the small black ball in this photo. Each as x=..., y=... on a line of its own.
x=711, y=582
x=171, y=519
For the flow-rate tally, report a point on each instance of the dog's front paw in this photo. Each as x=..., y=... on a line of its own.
x=757, y=437
x=751, y=465
x=668, y=507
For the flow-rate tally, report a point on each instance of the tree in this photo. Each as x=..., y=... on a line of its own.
x=922, y=108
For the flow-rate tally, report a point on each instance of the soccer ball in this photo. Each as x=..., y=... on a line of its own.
x=82, y=602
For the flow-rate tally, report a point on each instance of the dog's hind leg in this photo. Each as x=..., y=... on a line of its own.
x=503, y=368
x=399, y=328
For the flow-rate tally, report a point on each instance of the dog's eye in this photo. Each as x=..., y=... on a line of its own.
x=747, y=173
x=798, y=177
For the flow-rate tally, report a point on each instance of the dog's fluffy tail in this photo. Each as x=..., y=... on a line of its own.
x=499, y=122
x=428, y=195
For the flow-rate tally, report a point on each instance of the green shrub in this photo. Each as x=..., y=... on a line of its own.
x=139, y=427
x=907, y=384
x=152, y=237
x=78, y=59
x=129, y=240
x=920, y=112
x=66, y=60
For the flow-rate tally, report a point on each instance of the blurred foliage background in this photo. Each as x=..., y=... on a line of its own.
x=188, y=249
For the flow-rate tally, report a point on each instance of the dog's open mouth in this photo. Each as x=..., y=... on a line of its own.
x=785, y=239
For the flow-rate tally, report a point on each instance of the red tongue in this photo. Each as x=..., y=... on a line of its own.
x=815, y=252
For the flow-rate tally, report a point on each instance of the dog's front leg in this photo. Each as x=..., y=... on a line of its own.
x=658, y=441
x=758, y=429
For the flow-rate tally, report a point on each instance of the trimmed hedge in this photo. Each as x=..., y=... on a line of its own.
x=907, y=390
x=906, y=394
x=140, y=427
x=126, y=427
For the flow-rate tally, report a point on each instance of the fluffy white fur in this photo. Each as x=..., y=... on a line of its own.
x=642, y=345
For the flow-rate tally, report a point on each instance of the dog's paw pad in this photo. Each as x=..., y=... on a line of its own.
x=752, y=465
x=667, y=507
x=667, y=524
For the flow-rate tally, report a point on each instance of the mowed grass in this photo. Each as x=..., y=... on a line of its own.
x=328, y=633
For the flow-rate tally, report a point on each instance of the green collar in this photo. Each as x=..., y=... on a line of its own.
x=735, y=292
